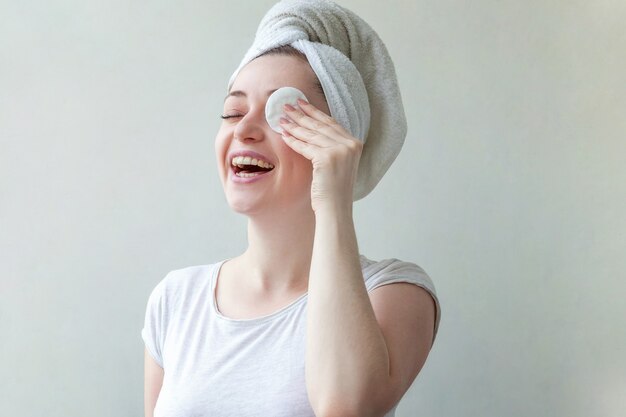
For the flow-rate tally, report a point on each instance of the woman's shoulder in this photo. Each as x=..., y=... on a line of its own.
x=390, y=266
x=390, y=270
x=187, y=275
x=185, y=282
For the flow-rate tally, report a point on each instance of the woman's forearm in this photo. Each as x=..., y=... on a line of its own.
x=347, y=361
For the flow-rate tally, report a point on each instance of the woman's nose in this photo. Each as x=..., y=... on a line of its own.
x=251, y=126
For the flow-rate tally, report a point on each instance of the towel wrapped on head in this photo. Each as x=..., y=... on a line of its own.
x=355, y=71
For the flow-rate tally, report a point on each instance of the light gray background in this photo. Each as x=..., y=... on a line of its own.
x=509, y=192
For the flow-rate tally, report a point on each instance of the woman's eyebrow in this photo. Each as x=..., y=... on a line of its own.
x=235, y=93
x=239, y=93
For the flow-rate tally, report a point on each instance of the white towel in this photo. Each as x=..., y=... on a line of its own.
x=355, y=71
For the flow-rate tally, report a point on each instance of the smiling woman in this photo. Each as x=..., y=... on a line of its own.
x=301, y=323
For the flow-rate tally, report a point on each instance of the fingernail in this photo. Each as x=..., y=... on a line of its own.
x=283, y=120
x=289, y=107
x=302, y=102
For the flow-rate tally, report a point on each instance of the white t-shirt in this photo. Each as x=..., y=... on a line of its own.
x=215, y=366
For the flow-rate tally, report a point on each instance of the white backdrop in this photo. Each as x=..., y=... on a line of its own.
x=510, y=192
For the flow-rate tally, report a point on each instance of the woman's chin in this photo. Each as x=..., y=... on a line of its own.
x=260, y=206
x=245, y=206
x=250, y=205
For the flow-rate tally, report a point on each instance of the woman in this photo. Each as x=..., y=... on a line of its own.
x=300, y=324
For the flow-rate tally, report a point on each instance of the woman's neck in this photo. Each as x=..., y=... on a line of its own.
x=278, y=257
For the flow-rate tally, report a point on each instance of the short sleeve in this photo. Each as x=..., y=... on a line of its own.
x=152, y=332
x=390, y=271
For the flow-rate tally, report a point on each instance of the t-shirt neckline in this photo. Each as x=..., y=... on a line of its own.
x=251, y=321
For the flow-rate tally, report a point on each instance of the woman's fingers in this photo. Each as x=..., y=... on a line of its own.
x=312, y=137
x=319, y=115
x=315, y=121
x=303, y=148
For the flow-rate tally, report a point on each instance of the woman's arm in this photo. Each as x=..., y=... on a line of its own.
x=363, y=351
x=362, y=354
x=346, y=353
x=153, y=380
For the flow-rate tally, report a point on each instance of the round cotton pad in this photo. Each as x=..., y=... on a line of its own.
x=274, y=106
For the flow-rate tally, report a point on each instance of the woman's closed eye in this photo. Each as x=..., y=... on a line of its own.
x=230, y=116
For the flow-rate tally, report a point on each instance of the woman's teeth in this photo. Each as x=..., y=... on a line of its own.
x=242, y=161
x=248, y=174
x=247, y=167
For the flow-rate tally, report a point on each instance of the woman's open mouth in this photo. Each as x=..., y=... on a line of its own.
x=246, y=167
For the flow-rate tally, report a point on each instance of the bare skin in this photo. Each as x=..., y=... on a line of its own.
x=363, y=349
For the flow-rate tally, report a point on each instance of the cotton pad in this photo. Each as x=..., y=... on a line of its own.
x=274, y=106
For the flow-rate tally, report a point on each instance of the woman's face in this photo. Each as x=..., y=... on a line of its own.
x=288, y=184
